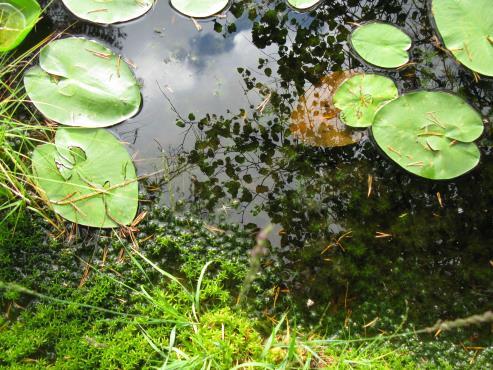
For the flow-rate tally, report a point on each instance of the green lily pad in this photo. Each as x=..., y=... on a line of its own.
x=381, y=44
x=200, y=8
x=108, y=11
x=17, y=19
x=360, y=97
x=466, y=27
x=82, y=83
x=303, y=4
x=88, y=177
x=430, y=134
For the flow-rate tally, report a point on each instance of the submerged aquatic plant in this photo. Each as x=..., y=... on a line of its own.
x=430, y=134
x=360, y=97
x=315, y=121
x=466, y=27
x=108, y=12
x=200, y=8
x=381, y=44
x=88, y=177
x=80, y=82
x=17, y=19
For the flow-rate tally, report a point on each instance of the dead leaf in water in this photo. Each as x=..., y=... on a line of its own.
x=315, y=121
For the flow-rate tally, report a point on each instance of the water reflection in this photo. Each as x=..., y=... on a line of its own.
x=351, y=223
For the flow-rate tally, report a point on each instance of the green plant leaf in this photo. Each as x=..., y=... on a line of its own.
x=88, y=176
x=17, y=19
x=200, y=8
x=466, y=27
x=381, y=44
x=108, y=11
x=361, y=96
x=82, y=83
x=303, y=4
x=430, y=134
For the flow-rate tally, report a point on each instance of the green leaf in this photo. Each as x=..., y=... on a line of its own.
x=430, y=134
x=108, y=11
x=381, y=44
x=88, y=176
x=466, y=27
x=82, y=83
x=304, y=4
x=200, y=8
x=361, y=96
x=17, y=19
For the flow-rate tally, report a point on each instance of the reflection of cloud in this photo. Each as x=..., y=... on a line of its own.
x=196, y=70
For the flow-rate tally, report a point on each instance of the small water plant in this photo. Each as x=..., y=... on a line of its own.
x=315, y=121
x=466, y=27
x=430, y=133
x=107, y=12
x=17, y=19
x=381, y=44
x=80, y=82
x=360, y=97
x=88, y=177
x=200, y=8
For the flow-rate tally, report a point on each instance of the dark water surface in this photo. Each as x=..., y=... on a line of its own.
x=429, y=243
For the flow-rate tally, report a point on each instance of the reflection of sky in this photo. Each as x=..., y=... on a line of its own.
x=196, y=70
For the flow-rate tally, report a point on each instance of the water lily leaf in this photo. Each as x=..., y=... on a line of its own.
x=466, y=27
x=82, y=83
x=108, y=11
x=17, y=19
x=304, y=4
x=88, y=176
x=315, y=120
x=430, y=134
x=381, y=44
x=361, y=96
x=200, y=8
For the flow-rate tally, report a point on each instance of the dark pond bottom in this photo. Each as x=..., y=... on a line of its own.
x=351, y=225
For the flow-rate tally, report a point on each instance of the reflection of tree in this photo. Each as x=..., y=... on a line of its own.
x=399, y=241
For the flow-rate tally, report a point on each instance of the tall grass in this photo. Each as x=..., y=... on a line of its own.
x=21, y=130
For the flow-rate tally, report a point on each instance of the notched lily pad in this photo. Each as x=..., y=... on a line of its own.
x=108, y=11
x=200, y=8
x=466, y=27
x=360, y=97
x=315, y=120
x=430, y=134
x=17, y=19
x=304, y=4
x=88, y=177
x=381, y=44
x=80, y=82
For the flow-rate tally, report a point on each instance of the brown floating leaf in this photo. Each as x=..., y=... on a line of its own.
x=315, y=120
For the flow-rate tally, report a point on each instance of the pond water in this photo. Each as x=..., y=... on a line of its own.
x=349, y=221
